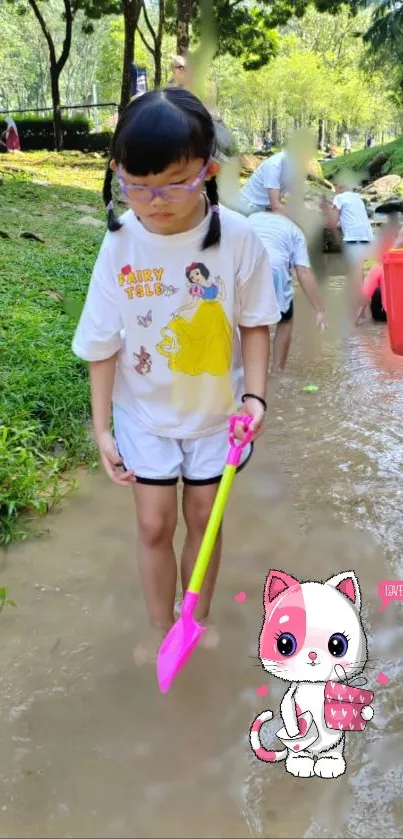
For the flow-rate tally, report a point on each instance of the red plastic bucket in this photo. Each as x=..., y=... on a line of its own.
x=393, y=271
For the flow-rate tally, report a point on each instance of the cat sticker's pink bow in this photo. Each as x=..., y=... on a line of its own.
x=356, y=681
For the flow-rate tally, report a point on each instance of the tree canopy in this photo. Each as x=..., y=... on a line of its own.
x=272, y=71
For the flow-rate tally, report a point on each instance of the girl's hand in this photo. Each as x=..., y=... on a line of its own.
x=112, y=462
x=321, y=321
x=251, y=408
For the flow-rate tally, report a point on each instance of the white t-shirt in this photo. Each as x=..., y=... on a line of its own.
x=354, y=222
x=287, y=248
x=273, y=173
x=171, y=311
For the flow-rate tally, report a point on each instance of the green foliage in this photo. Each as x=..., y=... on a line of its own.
x=316, y=74
x=333, y=6
x=96, y=9
x=315, y=66
x=109, y=72
x=24, y=57
x=384, y=42
x=38, y=132
x=386, y=27
x=245, y=30
x=359, y=161
x=26, y=476
x=44, y=394
x=99, y=141
x=4, y=601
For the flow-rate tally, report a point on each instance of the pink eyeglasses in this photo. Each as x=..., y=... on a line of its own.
x=170, y=193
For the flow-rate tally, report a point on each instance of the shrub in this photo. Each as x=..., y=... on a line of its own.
x=37, y=133
x=24, y=475
x=99, y=142
x=384, y=160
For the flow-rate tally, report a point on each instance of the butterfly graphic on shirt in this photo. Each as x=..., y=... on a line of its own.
x=168, y=290
x=145, y=320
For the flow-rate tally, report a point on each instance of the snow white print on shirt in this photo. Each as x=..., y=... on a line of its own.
x=198, y=338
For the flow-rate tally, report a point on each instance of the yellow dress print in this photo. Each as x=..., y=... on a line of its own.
x=198, y=339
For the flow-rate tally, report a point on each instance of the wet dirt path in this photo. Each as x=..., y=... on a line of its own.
x=88, y=746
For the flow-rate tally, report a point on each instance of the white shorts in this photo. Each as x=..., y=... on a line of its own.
x=355, y=251
x=248, y=209
x=163, y=460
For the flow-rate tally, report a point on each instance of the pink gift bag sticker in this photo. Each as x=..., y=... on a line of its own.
x=344, y=704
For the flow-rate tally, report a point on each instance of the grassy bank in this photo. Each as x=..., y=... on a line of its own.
x=365, y=161
x=44, y=396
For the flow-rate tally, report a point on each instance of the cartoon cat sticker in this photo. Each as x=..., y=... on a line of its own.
x=312, y=636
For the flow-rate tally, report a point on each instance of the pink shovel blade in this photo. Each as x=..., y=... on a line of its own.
x=179, y=644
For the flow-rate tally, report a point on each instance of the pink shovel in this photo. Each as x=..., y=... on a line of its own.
x=184, y=636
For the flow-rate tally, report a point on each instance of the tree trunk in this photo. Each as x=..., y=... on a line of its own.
x=131, y=12
x=275, y=132
x=56, y=65
x=183, y=17
x=330, y=132
x=57, y=114
x=158, y=45
x=321, y=134
x=157, y=66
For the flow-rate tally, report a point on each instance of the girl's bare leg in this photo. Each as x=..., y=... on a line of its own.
x=157, y=514
x=197, y=504
x=281, y=346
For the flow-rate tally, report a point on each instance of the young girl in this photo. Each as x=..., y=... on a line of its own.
x=176, y=329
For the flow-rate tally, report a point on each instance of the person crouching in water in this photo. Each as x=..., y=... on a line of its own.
x=350, y=215
x=288, y=251
x=371, y=293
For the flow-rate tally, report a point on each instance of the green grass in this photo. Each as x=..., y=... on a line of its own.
x=360, y=160
x=44, y=393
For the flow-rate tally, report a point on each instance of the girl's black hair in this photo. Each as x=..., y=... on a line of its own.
x=157, y=129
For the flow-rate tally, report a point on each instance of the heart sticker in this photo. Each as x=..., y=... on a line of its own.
x=262, y=691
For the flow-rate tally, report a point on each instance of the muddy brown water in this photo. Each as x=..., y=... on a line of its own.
x=88, y=747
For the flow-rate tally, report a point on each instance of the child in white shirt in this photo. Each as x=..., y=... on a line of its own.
x=176, y=329
x=288, y=251
x=350, y=214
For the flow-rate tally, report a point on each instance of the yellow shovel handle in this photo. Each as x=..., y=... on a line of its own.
x=210, y=535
